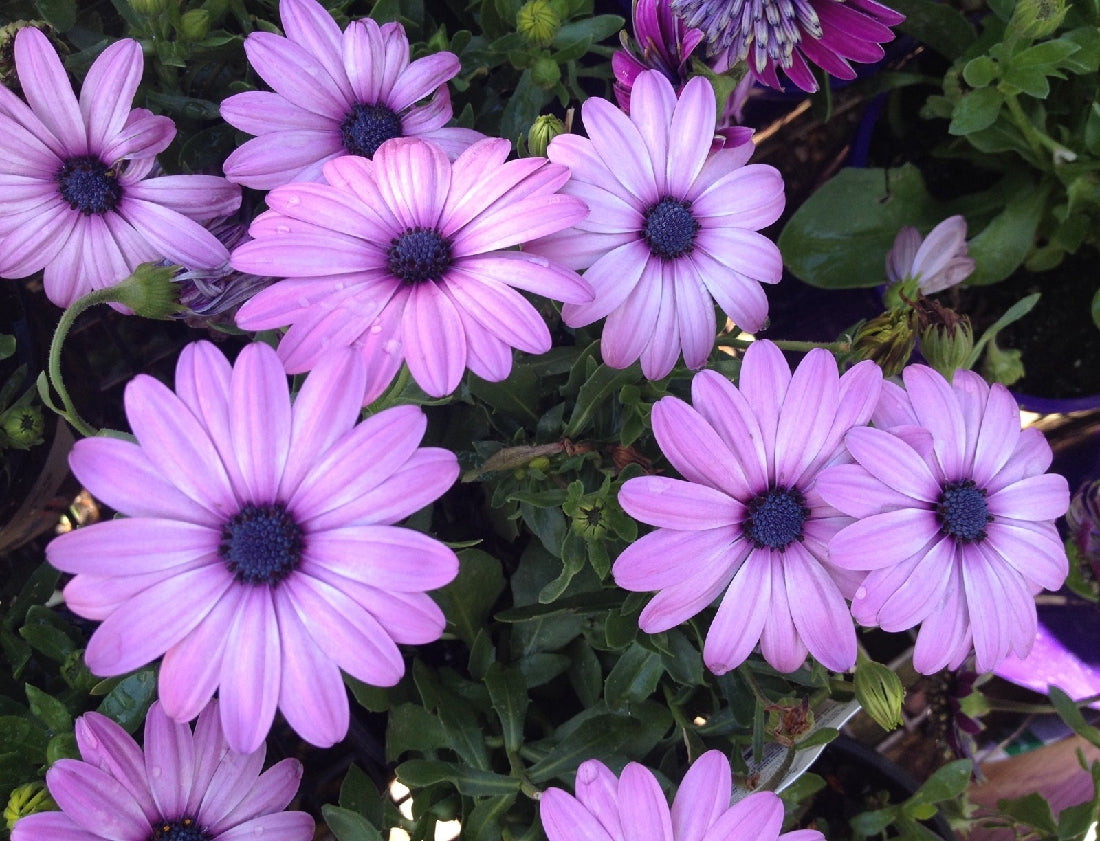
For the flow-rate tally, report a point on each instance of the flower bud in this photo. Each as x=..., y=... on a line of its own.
x=1036, y=19
x=888, y=339
x=150, y=292
x=946, y=338
x=879, y=692
x=27, y=800
x=538, y=22
x=149, y=8
x=194, y=25
x=542, y=131
x=22, y=427
x=545, y=72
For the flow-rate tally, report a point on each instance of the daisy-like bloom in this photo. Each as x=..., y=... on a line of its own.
x=184, y=786
x=259, y=553
x=673, y=227
x=746, y=519
x=76, y=199
x=930, y=264
x=335, y=93
x=790, y=35
x=632, y=806
x=663, y=43
x=406, y=257
x=956, y=519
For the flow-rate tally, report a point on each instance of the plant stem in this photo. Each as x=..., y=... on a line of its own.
x=787, y=344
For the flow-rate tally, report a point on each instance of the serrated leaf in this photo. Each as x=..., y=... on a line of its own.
x=977, y=109
x=981, y=71
x=1031, y=809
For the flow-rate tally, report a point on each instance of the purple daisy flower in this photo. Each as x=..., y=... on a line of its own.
x=77, y=201
x=633, y=806
x=335, y=94
x=790, y=36
x=258, y=554
x=672, y=229
x=406, y=257
x=663, y=43
x=184, y=786
x=746, y=520
x=956, y=519
x=931, y=263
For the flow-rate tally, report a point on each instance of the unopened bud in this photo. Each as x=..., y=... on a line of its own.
x=879, y=692
x=149, y=8
x=538, y=22
x=22, y=427
x=946, y=338
x=150, y=292
x=542, y=131
x=545, y=72
x=1035, y=19
x=27, y=800
x=888, y=339
x=194, y=25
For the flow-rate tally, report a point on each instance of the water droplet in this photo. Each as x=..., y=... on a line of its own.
x=282, y=229
x=376, y=328
x=861, y=593
x=155, y=772
x=392, y=347
x=293, y=200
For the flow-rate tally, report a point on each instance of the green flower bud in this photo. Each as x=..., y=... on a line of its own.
x=1002, y=365
x=22, y=427
x=590, y=520
x=887, y=339
x=946, y=338
x=149, y=8
x=194, y=25
x=150, y=292
x=27, y=800
x=545, y=72
x=542, y=131
x=879, y=692
x=1035, y=19
x=538, y=22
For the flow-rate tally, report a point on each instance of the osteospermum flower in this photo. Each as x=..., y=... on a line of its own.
x=956, y=519
x=663, y=43
x=931, y=263
x=76, y=201
x=259, y=553
x=775, y=35
x=407, y=257
x=184, y=786
x=335, y=93
x=633, y=806
x=672, y=229
x=746, y=520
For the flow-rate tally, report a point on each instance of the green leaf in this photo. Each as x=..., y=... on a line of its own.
x=347, y=825
x=60, y=14
x=417, y=773
x=592, y=739
x=946, y=783
x=634, y=677
x=981, y=71
x=373, y=698
x=359, y=793
x=483, y=822
x=1045, y=56
x=49, y=634
x=516, y=396
x=867, y=824
x=48, y=710
x=62, y=746
x=411, y=727
x=1031, y=809
x=593, y=30
x=1074, y=822
x=508, y=693
x=130, y=699
x=1029, y=80
x=522, y=108
x=1096, y=308
x=597, y=393
x=976, y=110
x=585, y=673
x=540, y=668
x=821, y=736
x=942, y=27
x=1071, y=714
x=1001, y=246
x=468, y=600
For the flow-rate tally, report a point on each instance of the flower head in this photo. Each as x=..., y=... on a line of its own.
x=633, y=806
x=746, y=520
x=335, y=93
x=259, y=553
x=776, y=35
x=77, y=201
x=930, y=264
x=663, y=43
x=956, y=519
x=406, y=258
x=184, y=786
x=672, y=229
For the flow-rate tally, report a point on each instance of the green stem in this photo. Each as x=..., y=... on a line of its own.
x=391, y=396
x=1036, y=139
x=787, y=344
x=68, y=318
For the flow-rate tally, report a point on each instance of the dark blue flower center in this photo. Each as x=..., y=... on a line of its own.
x=419, y=254
x=775, y=518
x=261, y=544
x=961, y=511
x=89, y=185
x=184, y=829
x=670, y=228
x=366, y=127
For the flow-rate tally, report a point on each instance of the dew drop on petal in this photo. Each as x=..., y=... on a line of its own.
x=282, y=229
x=392, y=347
x=861, y=593
x=293, y=200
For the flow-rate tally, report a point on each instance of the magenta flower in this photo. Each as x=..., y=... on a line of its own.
x=956, y=519
x=672, y=227
x=633, y=806
x=932, y=263
x=335, y=94
x=406, y=258
x=76, y=199
x=746, y=520
x=183, y=787
x=258, y=554
x=771, y=36
x=663, y=43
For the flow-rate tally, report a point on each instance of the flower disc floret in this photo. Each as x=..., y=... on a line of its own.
x=956, y=519
x=673, y=226
x=78, y=204
x=258, y=552
x=335, y=93
x=410, y=258
x=181, y=785
x=745, y=525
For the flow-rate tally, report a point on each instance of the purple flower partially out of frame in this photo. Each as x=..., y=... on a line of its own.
x=258, y=553
x=335, y=93
x=183, y=786
x=76, y=199
x=745, y=523
x=663, y=43
x=956, y=519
